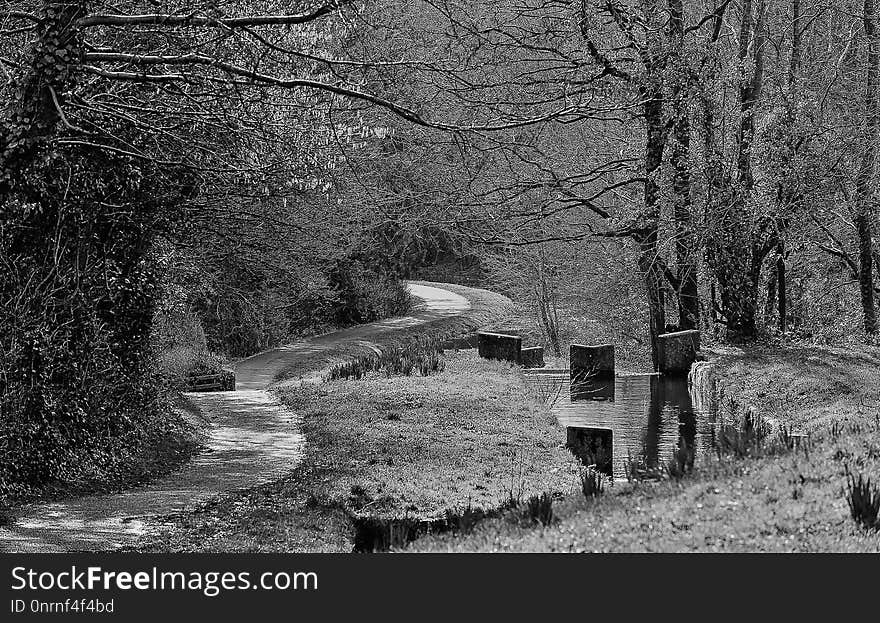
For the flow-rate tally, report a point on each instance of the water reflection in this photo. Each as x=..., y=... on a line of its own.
x=592, y=446
x=642, y=418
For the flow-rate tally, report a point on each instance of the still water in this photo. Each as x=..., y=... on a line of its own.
x=631, y=419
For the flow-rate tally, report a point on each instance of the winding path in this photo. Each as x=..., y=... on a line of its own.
x=251, y=440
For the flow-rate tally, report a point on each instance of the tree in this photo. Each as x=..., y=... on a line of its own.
x=661, y=79
x=864, y=189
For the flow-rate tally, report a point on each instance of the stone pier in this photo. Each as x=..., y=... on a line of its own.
x=500, y=346
x=678, y=351
x=532, y=357
x=591, y=362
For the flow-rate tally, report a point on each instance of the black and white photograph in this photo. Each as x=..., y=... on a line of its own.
x=373, y=277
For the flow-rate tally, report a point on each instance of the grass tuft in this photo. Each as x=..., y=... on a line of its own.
x=540, y=509
x=592, y=482
x=421, y=355
x=376, y=534
x=863, y=499
x=638, y=470
x=742, y=435
x=464, y=521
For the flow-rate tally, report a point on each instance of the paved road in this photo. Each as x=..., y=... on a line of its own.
x=252, y=439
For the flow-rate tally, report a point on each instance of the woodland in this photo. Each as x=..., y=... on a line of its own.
x=183, y=184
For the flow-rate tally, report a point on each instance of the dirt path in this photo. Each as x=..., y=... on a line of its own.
x=251, y=440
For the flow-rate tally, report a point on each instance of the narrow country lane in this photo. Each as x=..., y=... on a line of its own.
x=252, y=440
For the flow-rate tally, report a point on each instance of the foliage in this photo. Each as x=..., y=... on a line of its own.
x=365, y=292
x=78, y=290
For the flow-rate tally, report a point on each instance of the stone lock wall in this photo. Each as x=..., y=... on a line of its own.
x=500, y=346
x=532, y=357
x=591, y=361
x=678, y=351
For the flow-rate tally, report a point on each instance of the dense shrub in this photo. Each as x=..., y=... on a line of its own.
x=78, y=289
x=365, y=293
x=539, y=509
x=260, y=298
x=176, y=364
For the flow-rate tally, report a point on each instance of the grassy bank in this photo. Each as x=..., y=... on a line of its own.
x=485, y=308
x=782, y=501
x=416, y=446
x=471, y=436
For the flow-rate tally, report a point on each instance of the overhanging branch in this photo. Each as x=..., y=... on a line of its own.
x=212, y=22
x=270, y=80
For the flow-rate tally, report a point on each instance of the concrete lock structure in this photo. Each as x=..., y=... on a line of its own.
x=591, y=361
x=500, y=346
x=532, y=357
x=677, y=351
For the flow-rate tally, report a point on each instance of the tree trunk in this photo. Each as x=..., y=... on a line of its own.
x=739, y=300
x=547, y=312
x=750, y=94
x=688, y=295
x=656, y=299
x=647, y=227
x=734, y=251
x=770, y=304
x=864, y=195
x=36, y=105
x=648, y=236
x=788, y=194
x=781, y=289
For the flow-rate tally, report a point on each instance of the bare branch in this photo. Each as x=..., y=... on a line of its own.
x=213, y=22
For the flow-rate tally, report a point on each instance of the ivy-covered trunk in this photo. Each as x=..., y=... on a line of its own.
x=738, y=290
x=737, y=239
x=78, y=281
x=685, y=240
x=864, y=193
x=36, y=110
x=647, y=236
